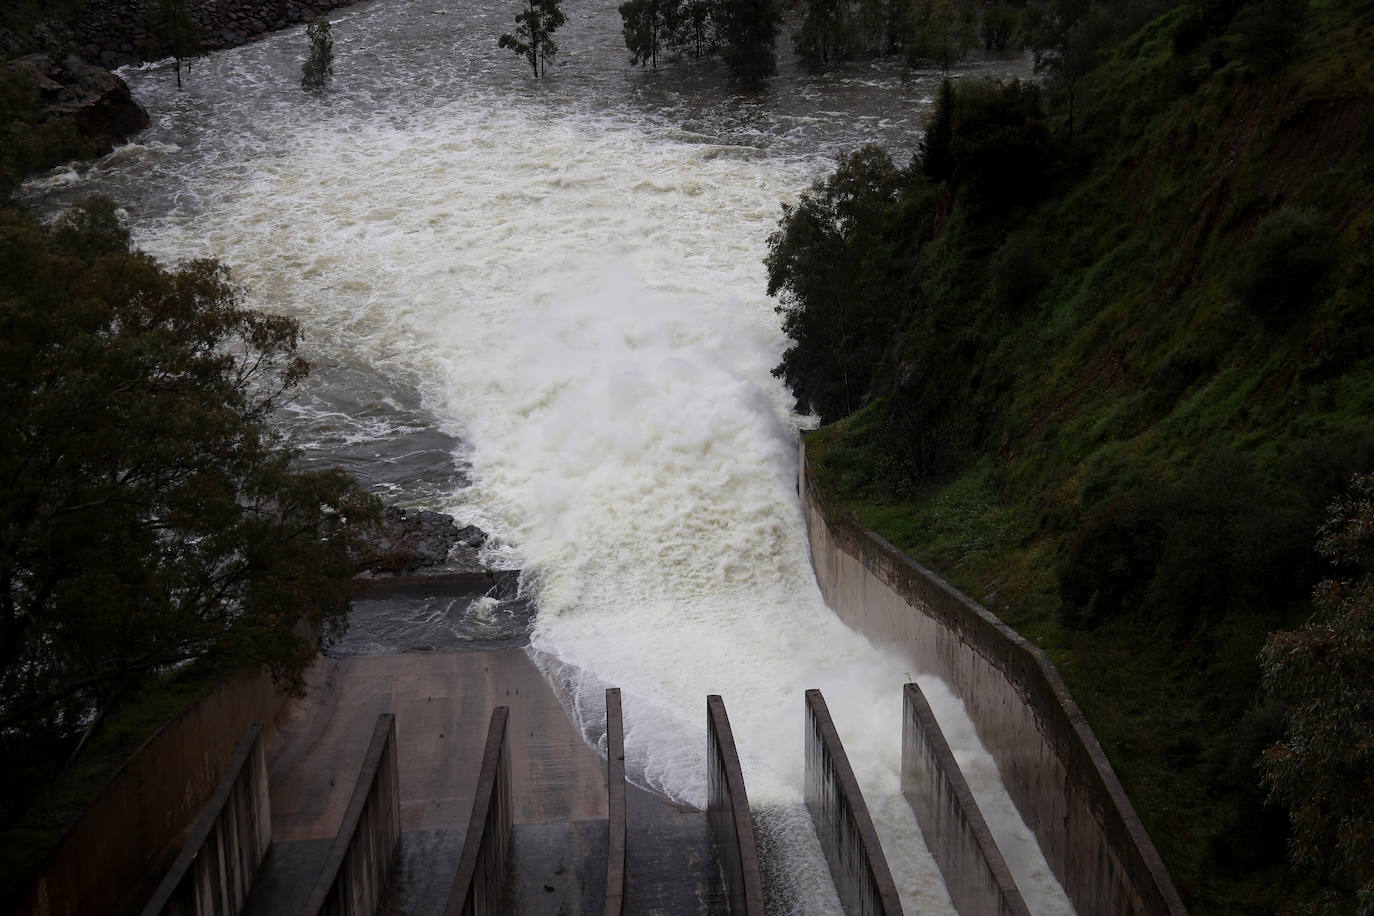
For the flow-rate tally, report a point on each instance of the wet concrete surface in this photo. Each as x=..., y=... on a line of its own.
x=442, y=701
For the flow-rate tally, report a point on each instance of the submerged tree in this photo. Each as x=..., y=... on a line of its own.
x=748, y=32
x=318, y=68
x=150, y=518
x=534, y=28
x=645, y=24
x=179, y=34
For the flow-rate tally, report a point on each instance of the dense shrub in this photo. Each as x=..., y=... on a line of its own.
x=1279, y=267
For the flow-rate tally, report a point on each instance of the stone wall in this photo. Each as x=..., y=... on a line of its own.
x=843, y=826
x=215, y=870
x=1049, y=760
x=117, y=32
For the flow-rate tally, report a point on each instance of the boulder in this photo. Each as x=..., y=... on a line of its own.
x=406, y=540
x=96, y=100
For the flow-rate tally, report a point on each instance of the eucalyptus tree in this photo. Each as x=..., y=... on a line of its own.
x=318, y=68
x=646, y=24
x=534, y=27
x=748, y=34
x=177, y=33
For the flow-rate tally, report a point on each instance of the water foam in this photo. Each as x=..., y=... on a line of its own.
x=577, y=290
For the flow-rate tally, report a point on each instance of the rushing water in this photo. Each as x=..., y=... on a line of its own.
x=541, y=307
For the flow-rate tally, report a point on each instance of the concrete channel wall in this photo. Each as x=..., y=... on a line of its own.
x=958, y=837
x=215, y=870
x=617, y=818
x=1050, y=761
x=148, y=804
x=479, y=888
x=728, y=811
x=359, y=864
x=837, y=807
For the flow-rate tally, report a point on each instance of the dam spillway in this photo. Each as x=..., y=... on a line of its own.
x=541, y=308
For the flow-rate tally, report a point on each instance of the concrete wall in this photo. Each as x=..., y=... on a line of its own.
x=1052, y=765
x=843, y=826
x=728, y=812
x=617, y=813
x=215, y=870
x=149, y=804
x=975, y=873
x=479, y=888
x=358, y=868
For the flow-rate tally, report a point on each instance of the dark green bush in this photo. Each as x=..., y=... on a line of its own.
x=1279, y=268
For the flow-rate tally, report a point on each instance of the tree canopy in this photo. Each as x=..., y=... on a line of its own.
x=534, y=28
x=149, y=516
x=318, y=68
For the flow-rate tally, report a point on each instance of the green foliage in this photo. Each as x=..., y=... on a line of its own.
x=29, y=140
x=1001, y=23
x=645, y=24
x=533, y=39
x=748, y=32
x=1153, y=349
x=177, y=33
x=318, y=67
x=150, y=519
x=1323, y=769
x=1265, y=34
x=1280, y=266
x=817, y=262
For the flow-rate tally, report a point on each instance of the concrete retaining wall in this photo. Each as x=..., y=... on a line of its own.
x=728, y=811
x=479, y=889
x=837, y=807
x=149, y=804
x=215, y=870
x=1050, y=761
x=958, y=837
x=616, y=810
x=359, y=864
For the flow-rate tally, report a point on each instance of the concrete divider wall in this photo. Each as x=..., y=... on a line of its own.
x=837, y=807
x=479, y=888
x=216, y=867
x=728, y=811
x=149, y=804
x=958, y=837
x=358, y=868
x=1050, y=761
x=617, y=813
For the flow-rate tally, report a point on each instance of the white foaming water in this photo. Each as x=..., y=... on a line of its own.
x=571, y=275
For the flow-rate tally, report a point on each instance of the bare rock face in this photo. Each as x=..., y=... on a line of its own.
x=97, y=101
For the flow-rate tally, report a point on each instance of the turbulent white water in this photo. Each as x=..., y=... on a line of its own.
x=570, y=276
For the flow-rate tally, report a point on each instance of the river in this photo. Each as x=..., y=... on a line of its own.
x=541, y=307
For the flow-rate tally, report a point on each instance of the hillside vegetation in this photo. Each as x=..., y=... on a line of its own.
x=1103, y=354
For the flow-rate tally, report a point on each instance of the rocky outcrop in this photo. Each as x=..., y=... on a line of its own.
x=406, y=540
x=97, y=101
x=117, y=32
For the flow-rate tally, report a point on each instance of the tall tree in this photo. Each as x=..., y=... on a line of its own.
x=749, y=32
x=645, y=25
x=179, y=34
x=692, y=28
x=1323, y=770
x=534, y=28
x=149, y=516
x=318, y=68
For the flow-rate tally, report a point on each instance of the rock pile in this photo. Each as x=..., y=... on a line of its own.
x=117, y=32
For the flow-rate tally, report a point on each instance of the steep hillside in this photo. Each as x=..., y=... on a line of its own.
x=1108, y=375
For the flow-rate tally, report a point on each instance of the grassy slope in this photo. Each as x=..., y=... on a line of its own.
x=1132, y=366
